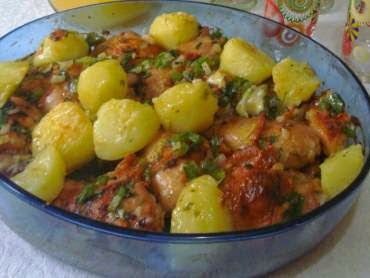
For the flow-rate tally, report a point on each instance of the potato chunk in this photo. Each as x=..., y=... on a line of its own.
x=340, y=170
x=101, y=82
x=170, y=30
x=242, y=59
x=68, y=129
x=44, y=176
x=123, y=127
x=199, y=208
x=242, y=132
x=295, y=82
x=186, y=107
x=11, y=75
x=61, y=45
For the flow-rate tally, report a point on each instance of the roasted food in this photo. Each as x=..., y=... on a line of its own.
x=181, y=130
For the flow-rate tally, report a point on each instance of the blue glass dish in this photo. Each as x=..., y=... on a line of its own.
x=118, y=252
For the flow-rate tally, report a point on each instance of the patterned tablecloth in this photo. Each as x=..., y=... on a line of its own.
x=344, y=253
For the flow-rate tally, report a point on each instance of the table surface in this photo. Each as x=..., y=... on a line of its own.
x=344, y=253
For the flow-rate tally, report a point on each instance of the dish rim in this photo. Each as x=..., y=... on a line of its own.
x=194, y=238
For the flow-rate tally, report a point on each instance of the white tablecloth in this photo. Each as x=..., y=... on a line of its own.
x=344, y=253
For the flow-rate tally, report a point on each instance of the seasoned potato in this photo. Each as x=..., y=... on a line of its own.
x=60, y=45
x=44, y=176
x=68, y=129
x=242, y=132
x=186, y=107
x=294, y=81
x=199, y=208
x=101, y=82
x=170, y=30
x=242, y=59
x=340, y=170
x=11, y=75
x=123, y=127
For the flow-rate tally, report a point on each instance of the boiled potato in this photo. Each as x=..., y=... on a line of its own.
x=199, y=208
x=61, y=45
x=11, y=75
x=123, y=127
x=186, y=107
x=294, y=81
x=340, y=170
x=101, y=82
x=170, y=30
x=44, y=176
x=68, y=129
x=242, y=59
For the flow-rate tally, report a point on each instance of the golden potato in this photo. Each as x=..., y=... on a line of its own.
x=44, y=176
x=101, y=82
x=294, y=81
x=61, y=45
x=11, y=75
x=186, y=107
x=123, y=127
x=340, y=170
x=68, y=129
x=199, y=208
x=170, y=30
x=242, y=59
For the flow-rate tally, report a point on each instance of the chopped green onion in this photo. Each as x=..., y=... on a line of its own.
x=211, y=168
x=176, y=76
x=127, y=57
x=163, y=60
x=273, y=106
x=93, y=39
x=192, y=170
x=332, y=102
x=215, y=143
x=122, y=193
x=91, y=189
x=295, y=209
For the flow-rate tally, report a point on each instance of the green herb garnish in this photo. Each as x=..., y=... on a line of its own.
x=184, y=142
x=192, y=170
x=273, y=106
x=123, y=192
x=176, y=76
x=127, y=57
x=93, y=39
x=331, y=102
x=3, y=117
x=295, y=209
x=163, y=60
x=233, y=91
x=215, y=143
x=209, y=167
x=350, y=130
x=91, y=190
x=216, y=33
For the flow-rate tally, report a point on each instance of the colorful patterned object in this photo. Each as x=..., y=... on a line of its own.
x=356, y=47
x=301, y=15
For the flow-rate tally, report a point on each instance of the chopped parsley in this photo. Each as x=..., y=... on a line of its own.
x=93, y=39
x=182, y=143
x=192, y=170
x=207, y=167
x=92, y=190
x=216, y=33
x=273, y=106
x=164, y=59
x=126, y=59
x=143, y=68
x=123, y=192
x=233, y=91
x=350, y=130
x=176, y=76
x=295, y=209
x=331, y=102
